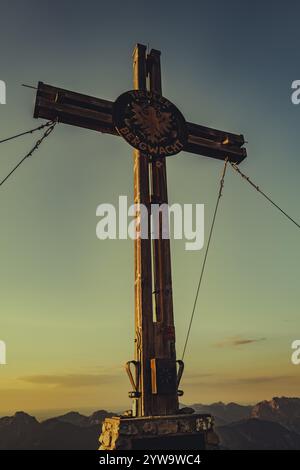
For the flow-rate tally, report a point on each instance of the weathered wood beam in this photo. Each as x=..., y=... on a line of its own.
x=164, y=328
x=96, y=114
x=74, y=108
x=144, y=333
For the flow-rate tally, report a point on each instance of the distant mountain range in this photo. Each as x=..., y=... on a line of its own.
x=273, y=424
x=67, y=432
x=224, y=414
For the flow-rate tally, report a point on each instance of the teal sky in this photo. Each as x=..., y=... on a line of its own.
x=66, y=297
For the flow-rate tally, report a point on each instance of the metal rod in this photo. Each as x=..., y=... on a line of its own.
x=29, y=86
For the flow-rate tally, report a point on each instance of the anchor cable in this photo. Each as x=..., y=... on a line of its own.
x=34, y=148
x=236, y=168
x=205, y=257
x=49, y=123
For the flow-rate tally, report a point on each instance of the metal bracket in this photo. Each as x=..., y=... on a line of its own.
x=179, y=376
x=134, y=381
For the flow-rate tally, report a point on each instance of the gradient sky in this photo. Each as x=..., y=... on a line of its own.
x=66, y=297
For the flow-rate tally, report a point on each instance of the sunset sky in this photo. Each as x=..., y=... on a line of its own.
x=67, y=309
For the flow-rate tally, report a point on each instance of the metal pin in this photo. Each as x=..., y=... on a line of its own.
x=29, y=86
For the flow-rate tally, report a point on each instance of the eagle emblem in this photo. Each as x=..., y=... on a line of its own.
x=154, y=123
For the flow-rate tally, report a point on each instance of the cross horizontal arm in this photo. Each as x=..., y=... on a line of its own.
x=96, y=114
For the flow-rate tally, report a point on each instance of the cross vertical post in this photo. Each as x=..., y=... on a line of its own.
x=142, y=261
x=155, y=355
x=154, y=322
x=164, y=329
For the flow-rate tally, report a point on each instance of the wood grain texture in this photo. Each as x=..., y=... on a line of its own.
x=164, y=329
x=142, y=260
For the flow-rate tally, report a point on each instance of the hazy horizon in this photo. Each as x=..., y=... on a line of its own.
x=42, y=414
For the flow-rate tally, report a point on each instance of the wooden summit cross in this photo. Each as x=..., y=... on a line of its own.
x=156, y=129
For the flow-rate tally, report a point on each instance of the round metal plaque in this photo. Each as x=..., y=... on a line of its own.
x=150, y=123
